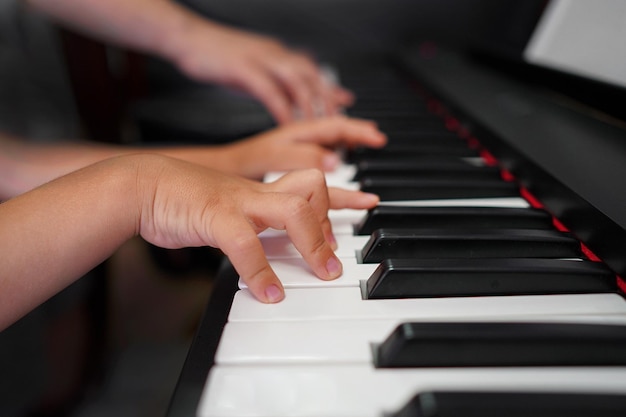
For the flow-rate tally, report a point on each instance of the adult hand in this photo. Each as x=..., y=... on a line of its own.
x=289, y=83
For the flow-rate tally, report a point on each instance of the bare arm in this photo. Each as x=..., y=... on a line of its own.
x=145, y=25
x=23, y=165
x=51, y=236
x=283, y=79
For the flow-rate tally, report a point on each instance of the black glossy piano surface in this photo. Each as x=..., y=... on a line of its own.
x=564, y=164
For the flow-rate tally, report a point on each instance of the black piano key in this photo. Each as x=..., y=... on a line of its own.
x=409, y=141
x=416, y=162
x=400, y=130
x=381, y=96
x=394, y=98
x=408, y=151
x=445, y=243
x=416, y=124
x=402, y=189
x=512, y=404
x=377, y=100
x=408, y=114
x=380, y=110
x=403, y=170
x=486, y=344
x=452, y=218
x=408, y=138
x=375, y=111
x=417, y=278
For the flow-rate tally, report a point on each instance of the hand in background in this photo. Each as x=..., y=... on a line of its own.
x=289, y=83
x=286, y=81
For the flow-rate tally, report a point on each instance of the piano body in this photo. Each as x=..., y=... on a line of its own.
x=447, y=291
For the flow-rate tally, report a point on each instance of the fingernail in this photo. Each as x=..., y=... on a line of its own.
x=333, y=267
x=273, y=294
x=330, y=162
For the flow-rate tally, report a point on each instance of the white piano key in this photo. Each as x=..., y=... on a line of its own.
x=279, y=246
x=342, y=176
x=346, y=303
x=360, y=390
x=510, y=202
x=344, y=341
x=247, y=343
x=343, y=221
x=295, y=273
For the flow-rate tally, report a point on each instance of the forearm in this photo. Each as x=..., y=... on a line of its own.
x=152, y=26
x=56, y=233
x=24, y=165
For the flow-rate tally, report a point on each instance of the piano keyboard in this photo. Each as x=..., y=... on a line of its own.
x=483, y=263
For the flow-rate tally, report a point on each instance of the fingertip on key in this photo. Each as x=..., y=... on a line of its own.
x=273, y=294
x=334, y=268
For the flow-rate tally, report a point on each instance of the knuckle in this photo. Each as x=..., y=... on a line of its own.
x=243, y=242
x=258, y=275
x=312, y=178
x=319, y=248
x=316, y=177
x=298, y=208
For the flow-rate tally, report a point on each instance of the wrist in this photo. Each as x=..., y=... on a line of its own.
x=141, y=174
x=243, y=158
x=119, y=185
